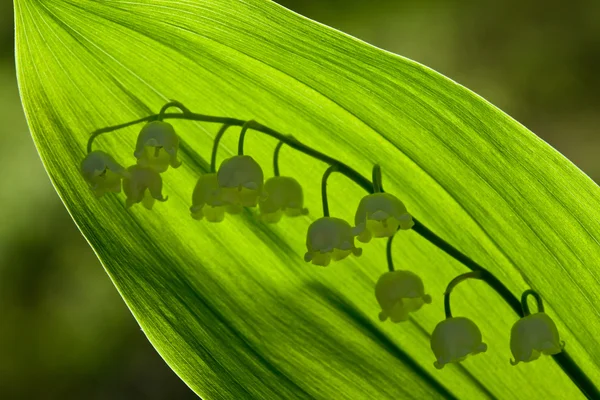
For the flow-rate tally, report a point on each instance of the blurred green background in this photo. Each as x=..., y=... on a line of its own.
x=64, y=331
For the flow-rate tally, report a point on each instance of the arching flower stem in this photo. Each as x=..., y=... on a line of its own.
x=172, y=103
x=276, y=158
x=562, y=359
x=452, y=284
x=328, y=171
x=376, y=177
x=217, y=140
x=485, y=275
x=388, y=254
x=538, y=299
x=245, y=127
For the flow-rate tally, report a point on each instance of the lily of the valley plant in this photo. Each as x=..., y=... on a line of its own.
x=240, y=182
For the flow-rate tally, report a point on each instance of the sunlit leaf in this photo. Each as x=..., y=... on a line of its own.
x=232, y=307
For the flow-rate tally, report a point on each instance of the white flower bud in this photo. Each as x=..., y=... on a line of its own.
x=329, y=238
x=399, y=293
x=454, y=339
x=157, y=146
x=143, y=185
x=241, y=181
x=284, y=195
x=380, y=215
x=102, y=173
x=206, y=199
x=532, y=336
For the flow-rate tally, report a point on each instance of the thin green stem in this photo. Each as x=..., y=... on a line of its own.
x=562, y=359
x=494, y=282
x=245, y=128
x=328, y=171
x=388, y=253
x=525, y=306
x=172, y=103
x=377, y=184
x=276, y=158
x=452, y=284
x=213, y=154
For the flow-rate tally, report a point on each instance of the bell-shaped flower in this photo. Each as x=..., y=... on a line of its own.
x=283, y=196
x=454, y=339
x=380, y=215
x=157, y=146
x=144, y=185
x=532, y=336
x=234, y=209
x=241, y=181
x=102, y=173
x=399, y=293
x=329, y=239
x=206, y=199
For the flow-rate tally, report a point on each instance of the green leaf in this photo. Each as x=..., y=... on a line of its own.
x=232, y=307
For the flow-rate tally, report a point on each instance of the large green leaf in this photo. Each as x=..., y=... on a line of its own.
x=232, y=307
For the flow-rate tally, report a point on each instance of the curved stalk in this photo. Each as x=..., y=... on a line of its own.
x=328, y=172
x=525, y=306
x=388, y=254
x=276, y=158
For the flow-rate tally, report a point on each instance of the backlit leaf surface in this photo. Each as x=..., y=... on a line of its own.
x=232, y=307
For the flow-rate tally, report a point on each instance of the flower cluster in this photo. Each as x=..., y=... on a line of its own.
x=378, y=215
x=239, y=183
x=156, y=150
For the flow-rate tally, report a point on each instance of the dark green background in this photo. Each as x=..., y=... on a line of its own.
x=64, y=331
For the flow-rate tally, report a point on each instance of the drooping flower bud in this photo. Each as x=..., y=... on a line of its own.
x=157, y=146
x=102, y=173
x=284, y=196
x=380, y=215
x=241, y=181
x=532, y=336
x=399, y=293
x=454, y=339
x=206, y=199
x=143, y=185
x=329, y=239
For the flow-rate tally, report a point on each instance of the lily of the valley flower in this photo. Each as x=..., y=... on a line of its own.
x=102, y=173
x=399, y=293
x=144, y=185
x=329, y=238
x=157, y=146
x=284, y=196
x=532, y=336
x=454, y=339
x=380, y=215
x=206, y=199
x=241, y=181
